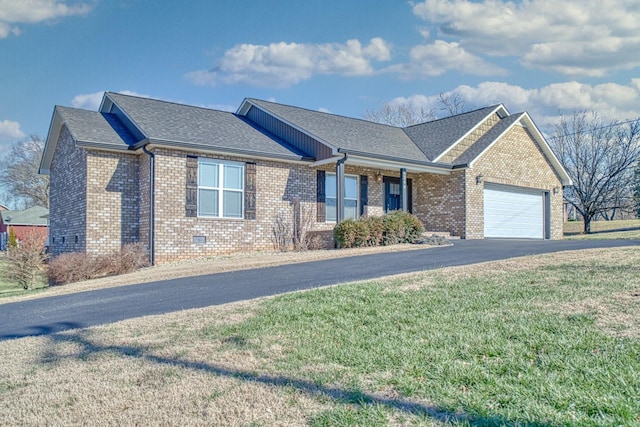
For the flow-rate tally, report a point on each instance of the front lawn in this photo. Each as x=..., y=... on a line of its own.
x=539, y=341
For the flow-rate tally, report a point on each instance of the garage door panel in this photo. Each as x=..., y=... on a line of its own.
x=512, y=212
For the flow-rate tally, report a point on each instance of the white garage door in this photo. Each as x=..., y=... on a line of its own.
x=513, y=212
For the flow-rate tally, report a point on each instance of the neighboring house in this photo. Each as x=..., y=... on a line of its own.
x=3, y=208
x=191, y=182
x=26, y=223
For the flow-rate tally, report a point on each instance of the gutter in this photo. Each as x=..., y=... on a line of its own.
x=152, y=173
x=434, y=165
x=177, y=145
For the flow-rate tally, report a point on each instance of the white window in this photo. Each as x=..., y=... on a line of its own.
x=220, y=188
x=350, y=197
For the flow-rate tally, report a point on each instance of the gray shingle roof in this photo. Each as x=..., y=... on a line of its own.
x=487, y=139
x=94, y=127
x=437, y=136
x=179, y=124
x=36, y=215
x=347, y=134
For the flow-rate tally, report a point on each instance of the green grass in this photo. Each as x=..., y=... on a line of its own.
x=618, y=229
x=502, y=349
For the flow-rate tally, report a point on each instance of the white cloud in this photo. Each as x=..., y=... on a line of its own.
x=10, y=131
x=546, y=104
x=14, y=12
x=284, y=64
x=87, y=101
x=578, y=37
x=437, y=58
x=91, y=101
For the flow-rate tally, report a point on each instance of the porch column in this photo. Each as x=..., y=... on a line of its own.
x=340, y=189
x=404, y=196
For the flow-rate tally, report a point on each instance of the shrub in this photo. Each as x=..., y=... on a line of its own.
x=401, y=227
x=78, y=266
x=13, y=241
x=351, y=233
x=390, y=229
x=375, y=224
x=27, y=260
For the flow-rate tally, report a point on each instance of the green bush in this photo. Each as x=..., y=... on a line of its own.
x=401, y=227
x=351, y=233
x=393, y=228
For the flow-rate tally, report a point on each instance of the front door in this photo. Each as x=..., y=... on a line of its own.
x=392, y=194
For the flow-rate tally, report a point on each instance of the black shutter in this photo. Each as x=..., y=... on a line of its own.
x=191, y=202
x=320, y=197
x=364, y=198
x=250, y=191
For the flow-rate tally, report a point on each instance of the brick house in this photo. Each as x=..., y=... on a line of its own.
x=191, y=182
x=27, y=223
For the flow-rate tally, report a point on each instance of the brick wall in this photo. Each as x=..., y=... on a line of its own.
x=277, y=185
x=67, y=197
x=113, y=200
x=439, y=202
x=145, y=196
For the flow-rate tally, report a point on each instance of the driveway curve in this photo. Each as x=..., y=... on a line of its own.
x=49, y=315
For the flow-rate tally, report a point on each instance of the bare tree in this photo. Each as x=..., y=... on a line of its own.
x=452, y=103
x=401, y=115
x=19, y=173
x=600, y=158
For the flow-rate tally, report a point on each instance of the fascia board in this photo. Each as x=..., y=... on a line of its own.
x=530, y=124
x=55, y=127
x=500, y=108
x=366, y=161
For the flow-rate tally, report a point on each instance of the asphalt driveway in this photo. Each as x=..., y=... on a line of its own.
x=80, y=310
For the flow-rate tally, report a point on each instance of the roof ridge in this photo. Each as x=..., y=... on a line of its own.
x=325, y=113
x=181, y=104
x=489, y=107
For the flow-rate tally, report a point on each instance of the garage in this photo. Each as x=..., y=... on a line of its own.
x=514, y=212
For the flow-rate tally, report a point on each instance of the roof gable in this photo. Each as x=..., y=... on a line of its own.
x=486, y=140
x=180, y=125
x=436, y=137
x=89, y=129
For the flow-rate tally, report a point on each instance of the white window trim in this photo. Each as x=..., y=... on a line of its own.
x=357, y=198
x=221, y=189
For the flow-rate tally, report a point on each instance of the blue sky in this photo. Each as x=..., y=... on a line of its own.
x=547, y=57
